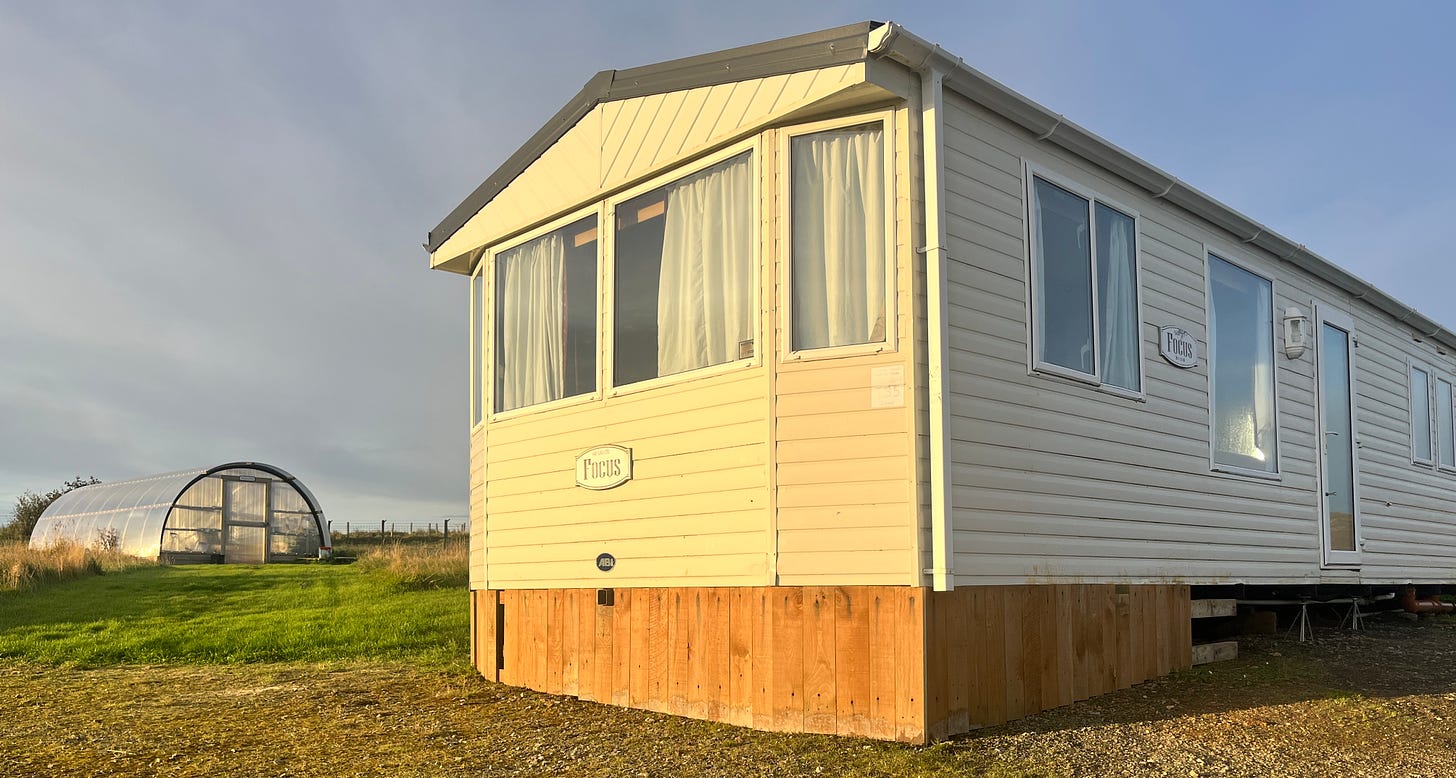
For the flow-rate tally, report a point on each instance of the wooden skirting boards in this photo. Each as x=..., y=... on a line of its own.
x=894, y=663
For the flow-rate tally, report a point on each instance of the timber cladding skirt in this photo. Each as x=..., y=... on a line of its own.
x=887, y=662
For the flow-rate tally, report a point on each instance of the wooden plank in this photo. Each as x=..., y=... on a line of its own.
x=1107, y=621
x=678, y=626
x=715, y=653
x=606, y=659
x=1204, y=653
x=476, y=659
x=571, y=638
x=1066, y=644
x=554, y=616
x=993, y=643
x=1031, y=648
x=1165, y=605
x=954, y=640
x=883, y=645
x=659, y=649
x=511, y=628
x=540, y=605
x=788, y=659
x=1212, y=609
x=852, y=611
x=820, y=703
x=694, y=627
x=1185, y=637
x=740, y=657
x=977, y=662
x=1150, y=608
x=761, y=606
x=937, y=665
x=1014, y=599
x=624, y=617
x=586, y=654
x=1078, y=625
x=640, y=647
x=1051, y=680
x=910, y=671
x=1124, y=638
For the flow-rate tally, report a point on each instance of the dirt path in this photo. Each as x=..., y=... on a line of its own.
x=1377, y=703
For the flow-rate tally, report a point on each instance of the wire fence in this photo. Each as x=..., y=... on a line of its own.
x=444, y=527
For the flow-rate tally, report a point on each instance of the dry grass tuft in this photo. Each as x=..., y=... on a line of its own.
x=417, y=567
x=23, y=568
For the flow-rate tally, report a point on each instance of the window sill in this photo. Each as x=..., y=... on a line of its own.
x=551, y=405
x=1257, y=475
x=1053, y=371
x=839, y=352
x=682, y=378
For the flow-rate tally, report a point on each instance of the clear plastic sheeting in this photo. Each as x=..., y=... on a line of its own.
x=246, y=512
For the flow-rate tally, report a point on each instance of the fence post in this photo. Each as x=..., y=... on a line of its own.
x=447, y=530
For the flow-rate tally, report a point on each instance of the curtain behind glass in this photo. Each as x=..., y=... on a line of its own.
x=529, y=313
x=1445, y=443
x=705, y=290
x=1064, y=274
x=1420, y=414
x=1241, y=366
x=838, y=235
x=1117, y=298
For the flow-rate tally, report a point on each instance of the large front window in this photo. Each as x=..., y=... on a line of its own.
x=1084, y=260
x=546, y=317
x=684, y=274
x=1241, y=368
x=838, y=236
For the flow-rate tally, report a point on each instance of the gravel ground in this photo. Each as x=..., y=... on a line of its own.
x=1375, y=703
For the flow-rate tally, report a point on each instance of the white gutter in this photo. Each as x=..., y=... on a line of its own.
x=932, y=127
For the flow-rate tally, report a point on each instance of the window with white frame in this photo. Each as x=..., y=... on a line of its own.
x=1445, y=432
x=477, y=344
x=1085, y=288
x=838, y=237
x=546, y=317
x=684, y=270
x=1420, y=408
x=1241, y=368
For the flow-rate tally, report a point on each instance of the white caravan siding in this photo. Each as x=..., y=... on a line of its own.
x=1055, y=480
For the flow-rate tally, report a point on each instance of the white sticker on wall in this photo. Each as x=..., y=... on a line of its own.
x=887, y=387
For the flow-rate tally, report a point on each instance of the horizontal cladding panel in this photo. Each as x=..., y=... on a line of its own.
x=582, y=526
x=850, y=562
x=1070, y=550
x=725, y=570
x=547, y=455
x=651, y=464
x=1071, y=496
x=696, y=545
x=972, y=568
x=818, y=450
x=856, y=516
x=842, y=469
x=690, y=397
x=694, y=486
x=868, y=539
x=704, y=506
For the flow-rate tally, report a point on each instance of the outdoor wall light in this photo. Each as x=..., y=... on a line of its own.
x=1296, y=332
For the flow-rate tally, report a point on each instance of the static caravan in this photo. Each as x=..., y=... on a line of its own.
x=829, y=385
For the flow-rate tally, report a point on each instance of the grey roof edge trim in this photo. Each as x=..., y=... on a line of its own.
x=810, y=51
x=900, y=45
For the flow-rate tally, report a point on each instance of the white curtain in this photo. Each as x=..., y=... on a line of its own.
x=1119, y=304
x=705, y=291
x=838, y=238
x=530, y=312
x=1263, y=349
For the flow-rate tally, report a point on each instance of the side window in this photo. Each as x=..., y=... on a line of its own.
x=1445, y=433
x=685, y=274
x=1085, y=288
x=1420, y=407
x=837, y=264
x=477, y=344
x=546, y=317
x=1241, y=368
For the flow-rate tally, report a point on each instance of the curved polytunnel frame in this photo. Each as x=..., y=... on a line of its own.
x=243, y=512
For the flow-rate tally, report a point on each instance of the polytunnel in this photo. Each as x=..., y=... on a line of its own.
x=240, y=512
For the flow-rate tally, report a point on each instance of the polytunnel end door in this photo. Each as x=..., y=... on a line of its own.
x=245, y=521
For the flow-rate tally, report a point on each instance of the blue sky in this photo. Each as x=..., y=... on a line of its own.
x=211, y=213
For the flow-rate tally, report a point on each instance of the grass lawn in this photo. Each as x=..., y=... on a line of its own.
x=206, y=614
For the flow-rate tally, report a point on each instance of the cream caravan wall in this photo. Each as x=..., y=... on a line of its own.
x=777, y=471
x=1055, y=480
x=624, y=140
